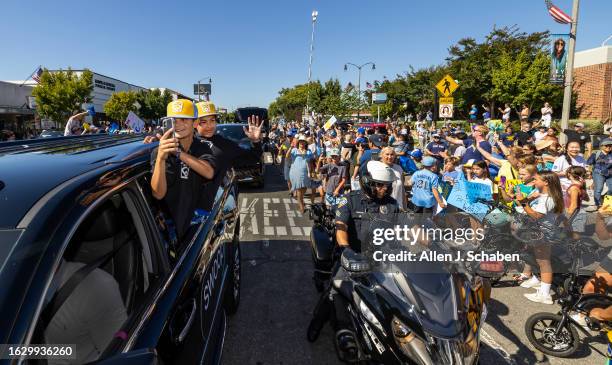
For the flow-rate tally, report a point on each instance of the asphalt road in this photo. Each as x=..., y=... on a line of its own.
x=278, y=296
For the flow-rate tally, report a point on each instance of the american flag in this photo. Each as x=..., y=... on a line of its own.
x=36, y=75
x=368, y=85
x=558, y=15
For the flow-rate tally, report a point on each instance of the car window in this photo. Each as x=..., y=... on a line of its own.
x=105, y=275
x=231, y=132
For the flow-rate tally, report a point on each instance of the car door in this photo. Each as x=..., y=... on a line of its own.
x=186, y=321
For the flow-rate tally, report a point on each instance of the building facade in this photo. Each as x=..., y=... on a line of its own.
x=593, y=83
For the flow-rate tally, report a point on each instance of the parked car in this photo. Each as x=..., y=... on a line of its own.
x=48, y=133
x=89, y=257
x=248, y=170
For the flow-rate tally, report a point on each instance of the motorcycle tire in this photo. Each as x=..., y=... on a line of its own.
x=563, y=345
x=314, y=330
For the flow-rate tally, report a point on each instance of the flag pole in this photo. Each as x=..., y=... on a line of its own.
x=569, y=72
x=29, y=77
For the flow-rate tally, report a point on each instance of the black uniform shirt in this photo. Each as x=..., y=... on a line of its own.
x=353, y=210
x=582, y=138
x=226, y=153
x=185, y=186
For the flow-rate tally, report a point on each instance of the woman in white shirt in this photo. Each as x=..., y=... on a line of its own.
x=571, y=157
x=387, y=156
x=546, y=115
x=545, y=208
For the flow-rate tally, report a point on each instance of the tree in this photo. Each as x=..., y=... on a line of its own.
x=153, y=103
x=60, y=94
x=120, y=104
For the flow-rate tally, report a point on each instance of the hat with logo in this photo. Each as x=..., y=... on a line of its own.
x=206, y=108
x=181, y=108
x=429, y=161
x=377, y=140
x=606, y=142
x=581, y=125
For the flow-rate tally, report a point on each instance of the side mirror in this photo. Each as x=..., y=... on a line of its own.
x=354, y=262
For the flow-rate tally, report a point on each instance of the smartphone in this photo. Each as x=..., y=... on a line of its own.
x=168, y=123
x=502, y=181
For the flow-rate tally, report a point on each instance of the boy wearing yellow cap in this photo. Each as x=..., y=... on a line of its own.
x=182, y=165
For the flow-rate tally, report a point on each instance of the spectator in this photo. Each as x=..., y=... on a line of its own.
x=473, y=114
x=300, y=157
x=540, y=134
x=580, y=136
x=424, y=183
x=335, y=176
x=601, y=163
x=546, y=115
x=506, y=113
x=486, y=116
x=508, y=137
x=525, y=135
x=74, y=124
x=572, y=157
x=387, y=156
x=576, y=194
x=552, y=134
x=471, y=152
x=376, y=142
x=479, y=173
x=525, y=113
x=436, y=148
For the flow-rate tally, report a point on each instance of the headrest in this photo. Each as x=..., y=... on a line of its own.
x=104, y=224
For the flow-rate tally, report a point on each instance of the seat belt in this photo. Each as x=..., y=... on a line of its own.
x=77, y=278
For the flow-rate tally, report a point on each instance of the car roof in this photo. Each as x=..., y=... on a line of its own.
x=31, y=168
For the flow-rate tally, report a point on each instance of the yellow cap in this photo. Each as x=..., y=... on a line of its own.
x=181, y=108
x=206, y=108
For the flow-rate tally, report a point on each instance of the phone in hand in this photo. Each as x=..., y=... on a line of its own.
x=168, y=123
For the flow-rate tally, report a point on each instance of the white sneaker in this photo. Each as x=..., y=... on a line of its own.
x=534, y=282
x=539, y=298
x=580, y=319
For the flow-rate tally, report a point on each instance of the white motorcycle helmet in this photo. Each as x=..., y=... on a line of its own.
x=376, y=172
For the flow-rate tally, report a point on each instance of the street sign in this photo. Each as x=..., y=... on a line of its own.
x=379, y=98
x=446, y=110
x=447, y=100
x=447, y=86
x=204, y=89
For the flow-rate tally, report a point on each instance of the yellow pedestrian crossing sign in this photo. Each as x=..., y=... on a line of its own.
x=447, y=86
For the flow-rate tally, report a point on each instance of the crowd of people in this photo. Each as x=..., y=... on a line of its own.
x=527, y=168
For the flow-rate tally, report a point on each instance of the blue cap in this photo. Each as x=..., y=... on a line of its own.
x=332, y=133
x=361, y=140
x=429, y=161
x=417, y=153
x=361, y=130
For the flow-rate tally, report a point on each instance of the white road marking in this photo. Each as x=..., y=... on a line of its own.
x=296, y=231
x=287, y=207
x=486, y=338
x=266, y=221
x=244, y=203
x=269, y=231
x=291, y=222
x=275, y=200
x=286, y=200
x=266, y=200
x=307, y=231
x=281, y=230
x=254, y=227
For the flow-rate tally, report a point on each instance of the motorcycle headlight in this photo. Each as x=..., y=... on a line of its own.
x=410, y=345
x=457, y=352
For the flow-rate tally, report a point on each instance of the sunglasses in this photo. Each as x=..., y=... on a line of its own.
x=382, y=185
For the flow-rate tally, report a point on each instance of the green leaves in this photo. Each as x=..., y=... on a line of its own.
x=120, y=104
x=153, y=103
x=60, y=94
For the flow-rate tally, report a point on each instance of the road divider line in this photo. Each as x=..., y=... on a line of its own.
x=291, y=222
x=307, y=231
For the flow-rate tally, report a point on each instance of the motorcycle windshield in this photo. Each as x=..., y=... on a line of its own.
x=431, y=286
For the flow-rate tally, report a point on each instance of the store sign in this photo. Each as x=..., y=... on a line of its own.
x=105, y=85
x=379, y=98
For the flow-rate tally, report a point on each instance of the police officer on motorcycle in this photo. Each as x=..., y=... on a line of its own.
x=352, y=230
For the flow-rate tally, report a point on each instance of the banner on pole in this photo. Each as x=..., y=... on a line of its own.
x=135, y=123
x=558, y=58
x=330, y=122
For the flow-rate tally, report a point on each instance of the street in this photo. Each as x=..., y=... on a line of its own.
x=278, y=295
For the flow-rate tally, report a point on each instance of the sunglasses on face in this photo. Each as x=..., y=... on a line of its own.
x=382, y=185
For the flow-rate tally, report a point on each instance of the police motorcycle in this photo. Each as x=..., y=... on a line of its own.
x=423, y=313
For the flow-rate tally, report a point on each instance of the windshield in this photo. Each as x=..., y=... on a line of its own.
x=232, y=132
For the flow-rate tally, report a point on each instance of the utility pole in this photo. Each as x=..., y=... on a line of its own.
x=314, y=14
x=569, y=72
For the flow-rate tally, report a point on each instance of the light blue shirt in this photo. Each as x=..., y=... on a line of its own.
x=423, y=183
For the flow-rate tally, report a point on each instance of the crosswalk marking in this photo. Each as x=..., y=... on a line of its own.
x=275, y=200
x=269, y=231
x=307, y=231
x=254, y=227
x=296, y=231
x=281, y=230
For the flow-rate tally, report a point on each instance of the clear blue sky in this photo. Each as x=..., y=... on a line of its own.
x=254, y=48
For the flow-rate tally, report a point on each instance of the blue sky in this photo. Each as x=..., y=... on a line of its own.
x=254, y=48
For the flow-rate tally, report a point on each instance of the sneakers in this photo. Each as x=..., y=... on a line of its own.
x=539, y=298
x=533, y=282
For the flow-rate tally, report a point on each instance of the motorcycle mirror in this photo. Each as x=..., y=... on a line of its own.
x=354, y=262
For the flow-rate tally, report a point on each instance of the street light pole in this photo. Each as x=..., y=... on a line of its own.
x=314, y=15
x=359, y=67
x=199, y=93
x=569, y=73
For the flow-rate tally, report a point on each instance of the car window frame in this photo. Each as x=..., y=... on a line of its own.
x=124, y=186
